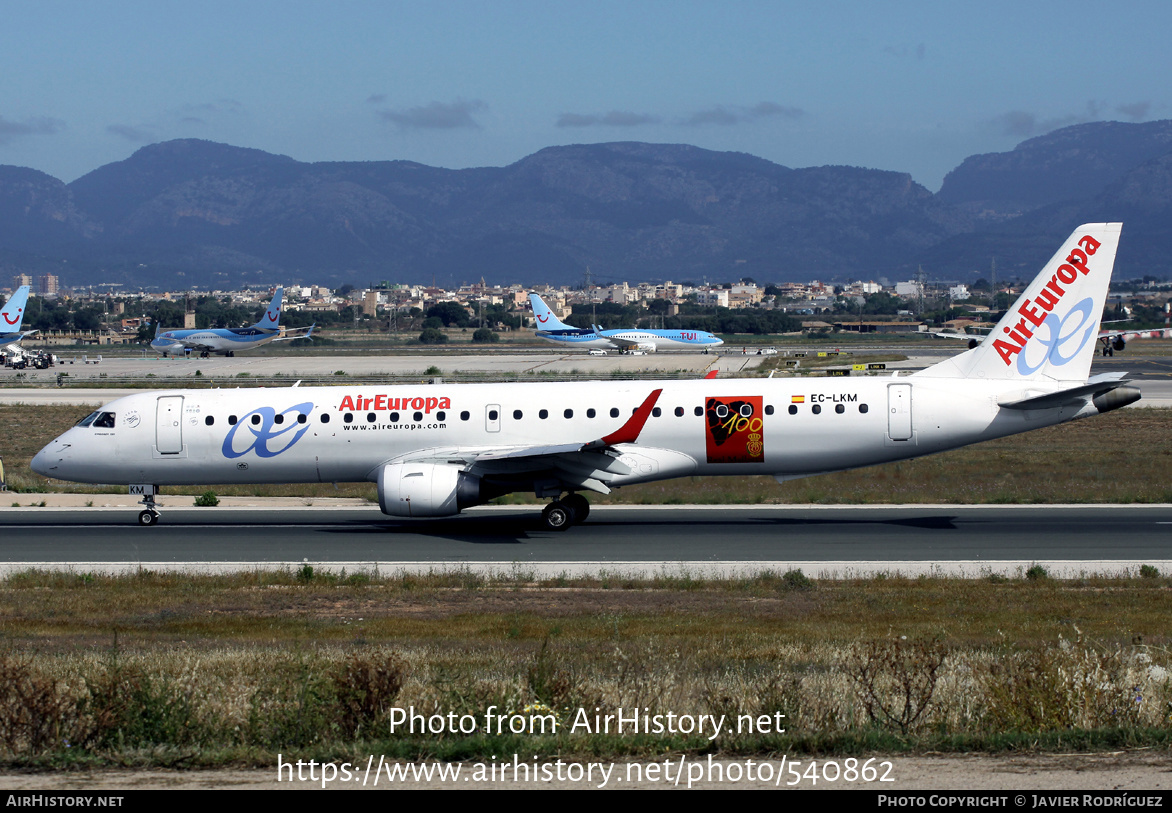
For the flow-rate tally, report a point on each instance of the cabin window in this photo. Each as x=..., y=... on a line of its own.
x=769, y=409
x=349, y=417
x=278, y=418
x=465, y=415
x=569, y=413
x=816, y=409
x=256, y=420
x=441, y=416
x=88, y=419
x=325, y=417
x=614, y=412
x=518, y=414
x=590, y=413
x=418, y=417
x=231, y=420
x=793, y=410
x=371, y=417
x=699, y=411
x=679, y=412
x=302, y=417
x=394, y=417
x=656, y=412
x=863, y=408
x=209, y=421
x=493, y=415
x=543, y=414
x=839, y=408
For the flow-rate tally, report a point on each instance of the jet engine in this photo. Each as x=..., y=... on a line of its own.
x=1116, y=398
x=426, y=490
x=1119, y=343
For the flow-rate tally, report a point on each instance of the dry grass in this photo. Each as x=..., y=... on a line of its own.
x=222, y=669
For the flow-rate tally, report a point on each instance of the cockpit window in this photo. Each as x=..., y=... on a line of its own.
x=105, y=420
x=88, y=419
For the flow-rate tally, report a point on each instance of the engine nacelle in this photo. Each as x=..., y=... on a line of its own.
x=426, y=490
x=1119, y=343
x=1116, y=398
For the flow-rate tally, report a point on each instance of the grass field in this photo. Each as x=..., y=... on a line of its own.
x=158, y=669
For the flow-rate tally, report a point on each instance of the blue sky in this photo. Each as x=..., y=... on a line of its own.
x=910, y=87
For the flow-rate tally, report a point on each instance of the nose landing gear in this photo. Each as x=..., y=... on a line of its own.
x=150, y=515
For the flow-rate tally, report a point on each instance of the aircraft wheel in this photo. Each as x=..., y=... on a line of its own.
x=557, y=517
x=148, y=518
x=578, y=506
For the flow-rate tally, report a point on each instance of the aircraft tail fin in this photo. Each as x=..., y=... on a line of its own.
x=546, y=318
x=13, y=311
x=272, y=315
x=1050, y=332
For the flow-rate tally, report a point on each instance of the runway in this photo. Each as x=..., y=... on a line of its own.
x=838, y=541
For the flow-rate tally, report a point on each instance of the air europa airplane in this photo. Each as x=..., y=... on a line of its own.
x=434, y=450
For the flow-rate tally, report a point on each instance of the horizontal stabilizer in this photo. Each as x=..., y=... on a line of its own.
x=1097, y=386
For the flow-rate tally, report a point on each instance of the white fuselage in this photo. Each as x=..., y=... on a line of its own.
x=782, y=427
x=634, y=337
x=213, y=340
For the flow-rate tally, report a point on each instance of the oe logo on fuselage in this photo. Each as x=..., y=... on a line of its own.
x=268, y=438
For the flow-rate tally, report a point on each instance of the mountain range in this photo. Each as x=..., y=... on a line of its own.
x=191, y=213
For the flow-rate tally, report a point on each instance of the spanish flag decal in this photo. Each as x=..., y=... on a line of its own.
x=797, y=399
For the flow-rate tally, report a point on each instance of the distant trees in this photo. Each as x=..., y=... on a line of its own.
x=452, y=314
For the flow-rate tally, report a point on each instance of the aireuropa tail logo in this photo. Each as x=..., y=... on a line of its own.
x=269, y=432
x=1061, y=331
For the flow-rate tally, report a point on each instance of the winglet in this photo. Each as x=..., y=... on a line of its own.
x=629, y=432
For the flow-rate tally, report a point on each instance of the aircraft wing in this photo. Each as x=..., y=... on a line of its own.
x=190, y=345
x=578, y=465
x=1136, y=333
x=622, y=344
x=297, y=333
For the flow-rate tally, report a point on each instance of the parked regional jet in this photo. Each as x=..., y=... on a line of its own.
x=552, y=329
x=226, y=341
x=13, y=316
x=434, y=450
x=1113, y=340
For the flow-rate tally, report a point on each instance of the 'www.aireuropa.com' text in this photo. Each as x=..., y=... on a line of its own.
x=677, y=771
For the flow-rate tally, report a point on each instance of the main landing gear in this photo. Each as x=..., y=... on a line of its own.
x=559, y=515
x=150, y=516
